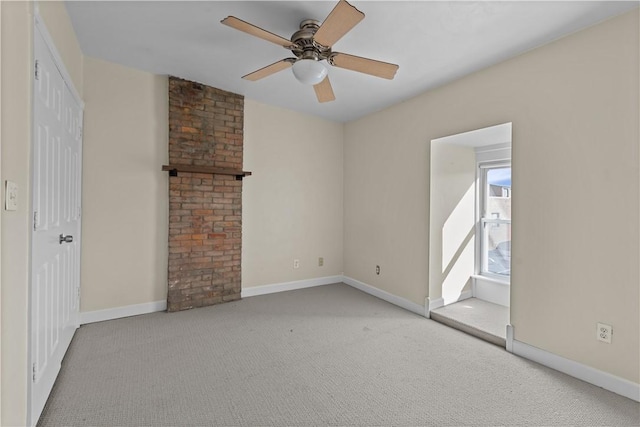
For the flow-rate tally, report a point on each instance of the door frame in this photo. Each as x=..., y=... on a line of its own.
x=40, y=28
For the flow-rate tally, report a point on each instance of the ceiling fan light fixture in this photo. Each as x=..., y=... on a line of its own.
x=312, y=45
x=309, y=71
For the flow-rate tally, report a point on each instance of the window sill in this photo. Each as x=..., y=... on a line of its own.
x=504, y=282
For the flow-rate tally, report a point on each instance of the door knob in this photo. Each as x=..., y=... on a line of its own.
x=65, y=239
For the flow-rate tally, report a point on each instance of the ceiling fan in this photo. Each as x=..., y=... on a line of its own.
x=311, y=45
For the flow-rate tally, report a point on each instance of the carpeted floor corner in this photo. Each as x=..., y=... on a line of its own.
x=329, y=355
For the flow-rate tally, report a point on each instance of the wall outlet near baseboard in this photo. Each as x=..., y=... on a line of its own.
x=320, y=262
x=378, y=270
x=604, y=332
x=296, y=263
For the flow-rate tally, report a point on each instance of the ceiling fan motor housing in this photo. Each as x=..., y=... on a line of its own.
x=305, y=45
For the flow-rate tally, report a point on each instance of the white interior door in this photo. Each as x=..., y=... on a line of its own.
x=55, y=256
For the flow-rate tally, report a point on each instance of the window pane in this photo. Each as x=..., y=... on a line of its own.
x=497, y=248
x=498, y=191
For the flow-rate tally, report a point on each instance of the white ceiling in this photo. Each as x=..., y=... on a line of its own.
x=432, y=42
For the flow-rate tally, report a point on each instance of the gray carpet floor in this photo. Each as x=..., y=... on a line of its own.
x=329, y=355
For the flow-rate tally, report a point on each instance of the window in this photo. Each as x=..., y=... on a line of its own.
x=495, y=219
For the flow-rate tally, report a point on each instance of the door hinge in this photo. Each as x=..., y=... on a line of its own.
x=35, y=220
x=37, y=70
x=78, y=293
x=33, y=371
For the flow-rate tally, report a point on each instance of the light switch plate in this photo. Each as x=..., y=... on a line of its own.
x=11, y=196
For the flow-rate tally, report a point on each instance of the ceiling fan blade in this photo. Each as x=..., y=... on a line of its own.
x=364, y=65
x=269, y=69
x=340, y=21
x=324, y=91
x=241, y=25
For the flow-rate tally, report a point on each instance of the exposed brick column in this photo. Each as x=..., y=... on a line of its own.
x=205, y=211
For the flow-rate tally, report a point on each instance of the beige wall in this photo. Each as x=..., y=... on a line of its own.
x=574, y=108
x=451, y=220
x=16, y=112
x=17, y=33
x=292, y=204
x=386, y=193
x=125, y=195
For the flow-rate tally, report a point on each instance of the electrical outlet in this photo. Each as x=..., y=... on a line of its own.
x=320, y=262
x=296, y=263
x=604, y=332
x=378, y=270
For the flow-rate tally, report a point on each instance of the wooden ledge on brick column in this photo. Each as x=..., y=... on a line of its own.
x=174, y=169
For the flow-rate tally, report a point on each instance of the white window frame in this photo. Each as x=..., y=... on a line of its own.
x=482, y=219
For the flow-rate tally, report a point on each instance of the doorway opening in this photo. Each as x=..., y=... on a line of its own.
x=470, y=231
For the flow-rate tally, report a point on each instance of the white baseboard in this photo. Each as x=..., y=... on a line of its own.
x=575, y=369
x=432, y=304
x=465, y=295
x=435, y=303
x=491, y=290
x=118, y=312
x=379, y=293
x=289, y=286
x=509, y=339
